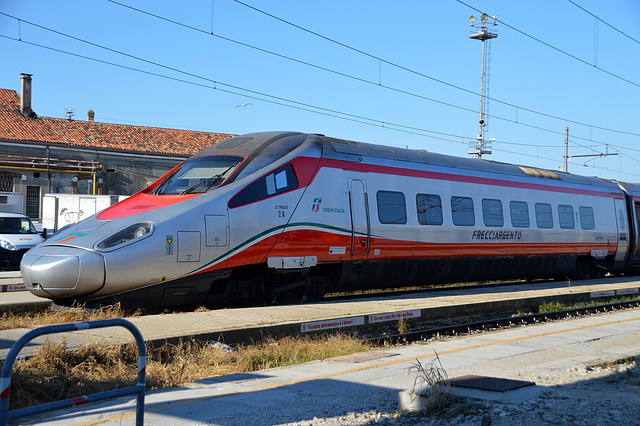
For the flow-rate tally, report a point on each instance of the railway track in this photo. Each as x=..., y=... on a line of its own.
x=498, y=323
x=337, y=297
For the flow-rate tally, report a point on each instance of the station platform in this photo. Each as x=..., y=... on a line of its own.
x=344, y=390
x=14, y=296
x=11, y=281
x=233, y=326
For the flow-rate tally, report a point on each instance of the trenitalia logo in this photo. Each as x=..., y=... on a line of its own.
x=316, y=207
x=71, y=237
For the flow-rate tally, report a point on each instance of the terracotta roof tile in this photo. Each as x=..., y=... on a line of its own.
x=149, y=140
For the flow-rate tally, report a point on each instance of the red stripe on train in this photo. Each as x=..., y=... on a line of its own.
x=311, y=242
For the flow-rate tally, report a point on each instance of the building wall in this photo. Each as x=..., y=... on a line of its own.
x=23, y=166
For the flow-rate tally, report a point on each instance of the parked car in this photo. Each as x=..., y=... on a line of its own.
x=17, y=235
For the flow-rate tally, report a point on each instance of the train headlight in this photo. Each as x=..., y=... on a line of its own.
x=128, y=235
x=140, y=231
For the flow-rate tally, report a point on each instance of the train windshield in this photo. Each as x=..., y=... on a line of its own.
x=198, y=175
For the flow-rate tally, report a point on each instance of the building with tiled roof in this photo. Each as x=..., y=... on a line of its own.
x=41, y=155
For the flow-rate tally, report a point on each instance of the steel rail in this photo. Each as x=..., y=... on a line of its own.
x=485, y=325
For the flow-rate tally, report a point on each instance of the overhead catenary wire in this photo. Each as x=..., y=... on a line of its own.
x=557, y=49
x=237, y=90
x=413, y=129
x=381, y=60
x=379, y=83
x=382, y=123
x=604, y=22
x=420, y=74
x=554, y=160
x=371, y=122
x=302, y=105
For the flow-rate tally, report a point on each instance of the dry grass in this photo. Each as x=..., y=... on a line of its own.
x=557, y=306
x=55, y=373
x=76, y=314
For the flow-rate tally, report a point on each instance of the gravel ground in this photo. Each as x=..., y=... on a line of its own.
x=583, y=395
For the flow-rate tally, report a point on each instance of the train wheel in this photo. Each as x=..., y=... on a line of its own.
x=588, y=269
x=581, y=272
x=316, y=288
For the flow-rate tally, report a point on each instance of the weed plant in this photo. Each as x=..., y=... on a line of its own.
x=76, y=314
x=56, y=373
x=557, y=306
x=432, y=383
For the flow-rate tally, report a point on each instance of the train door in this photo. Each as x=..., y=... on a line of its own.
x=216, y=237
x=623, y=230
x=360, y=227
x=636, y=255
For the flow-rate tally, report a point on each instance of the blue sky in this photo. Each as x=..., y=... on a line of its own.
x=397, y=73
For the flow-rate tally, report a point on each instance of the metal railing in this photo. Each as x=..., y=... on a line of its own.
x=5, y=376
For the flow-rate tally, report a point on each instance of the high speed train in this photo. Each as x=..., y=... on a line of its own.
x=279, y=217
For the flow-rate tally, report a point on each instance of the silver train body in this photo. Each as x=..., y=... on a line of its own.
x=279, y=217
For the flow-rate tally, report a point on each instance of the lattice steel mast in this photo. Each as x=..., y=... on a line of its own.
x=484, y=32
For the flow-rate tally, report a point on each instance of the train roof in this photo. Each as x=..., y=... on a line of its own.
x=632, y=189
x=259, y=149
x=355, y=151
x=263, y=148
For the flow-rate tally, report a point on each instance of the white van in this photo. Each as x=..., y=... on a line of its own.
x=17, y=235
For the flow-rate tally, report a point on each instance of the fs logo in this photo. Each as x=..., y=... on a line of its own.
x=316, y=204
x=71, y=237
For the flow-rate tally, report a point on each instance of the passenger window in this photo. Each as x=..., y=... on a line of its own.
x=492, y=212
x=519, y=214
x=282, y=180
x=462, y=211
x=544, y=217
x=587, y=220
x=392, y=207
x=565, y=217
x=429, y=209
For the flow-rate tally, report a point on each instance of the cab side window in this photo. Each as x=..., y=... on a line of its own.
x=276, y=181
x=279, y=181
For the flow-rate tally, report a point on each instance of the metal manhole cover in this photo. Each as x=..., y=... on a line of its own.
x=495, y=384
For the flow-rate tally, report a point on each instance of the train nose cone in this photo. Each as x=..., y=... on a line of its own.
x=62, y=272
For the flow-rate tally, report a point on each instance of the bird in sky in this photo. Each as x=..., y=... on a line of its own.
x=243, y=105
